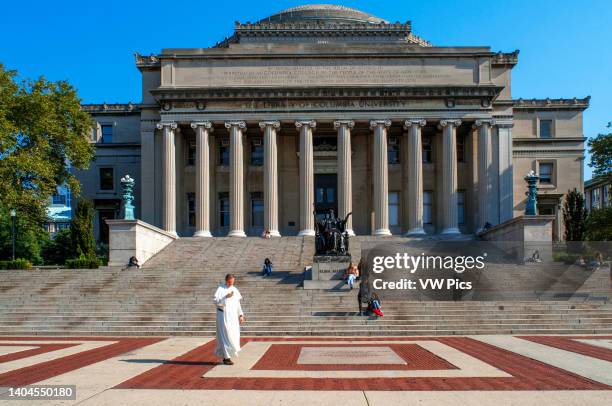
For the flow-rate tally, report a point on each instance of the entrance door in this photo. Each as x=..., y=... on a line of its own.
x=326, y=196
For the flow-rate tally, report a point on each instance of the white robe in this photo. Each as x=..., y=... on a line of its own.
x=228, y=321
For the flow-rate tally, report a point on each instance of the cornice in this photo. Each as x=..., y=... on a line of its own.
x=538, y=104
x=112, y=108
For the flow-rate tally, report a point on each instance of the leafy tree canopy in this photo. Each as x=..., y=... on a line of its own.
x=600, y=149
x=43, y=132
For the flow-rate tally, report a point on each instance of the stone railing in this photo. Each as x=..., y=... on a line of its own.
x=128, y=238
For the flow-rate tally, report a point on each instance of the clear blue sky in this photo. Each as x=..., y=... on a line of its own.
x=566, y=45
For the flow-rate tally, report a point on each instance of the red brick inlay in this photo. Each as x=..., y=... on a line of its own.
x=49, y=369
x=40, y=349
x=185, y=372
x=285, y=357
x=568, y=343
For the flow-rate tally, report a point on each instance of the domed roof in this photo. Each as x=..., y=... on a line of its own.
x=323, y=13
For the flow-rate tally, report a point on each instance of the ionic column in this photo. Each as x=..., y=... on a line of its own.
x=345, y=177
x=449, y=176
x=236, y=192
x=380, y=177
x=270, y=181
x=168, y=177
x=202, y=195
x=414, y=186
x=306, y=177
x=485, y=160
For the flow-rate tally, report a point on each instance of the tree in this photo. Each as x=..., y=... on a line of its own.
x=81, y=230
x=600, y=149
x=28, y=238
x=599, y=225
x=58, y=249
x=574, y=216
x=43, y=132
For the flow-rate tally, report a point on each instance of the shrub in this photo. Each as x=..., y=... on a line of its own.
x=19, y=263
x=83, y=262
x=57, y=250
x=81, y=230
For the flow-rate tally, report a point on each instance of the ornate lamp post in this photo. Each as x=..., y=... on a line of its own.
x=127, y=184
x=13, y=217
x=531, y=208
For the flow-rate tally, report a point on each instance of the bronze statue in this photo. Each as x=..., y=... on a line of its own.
x=331, y=237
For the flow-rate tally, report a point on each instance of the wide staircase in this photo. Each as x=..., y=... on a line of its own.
x=172, y=295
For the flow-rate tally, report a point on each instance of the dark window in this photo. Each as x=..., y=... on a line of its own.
x=545, y=128
x=191, y=209
x=427, y=207
x=427, y=155
x=107, y=179
x=257, y=209
x=59, y=199
x=546, y=172
x=257, y=152
x=460, y=148
x=107, y=133
x=224, y=153
x=224, y=209
x=393, y=151
x=394, y=208
x=191, y=153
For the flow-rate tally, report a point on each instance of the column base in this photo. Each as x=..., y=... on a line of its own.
x=202, y=233
x=451, y=231
x=350, y=232
x=415, y=232
x=274, y=233
x=382, y=231
x=306, y=233
x=236, y=233
x=172, y=233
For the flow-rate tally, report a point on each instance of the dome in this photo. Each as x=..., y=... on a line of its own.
x=323, y=13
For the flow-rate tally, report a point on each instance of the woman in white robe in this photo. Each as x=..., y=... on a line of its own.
x=229, y=317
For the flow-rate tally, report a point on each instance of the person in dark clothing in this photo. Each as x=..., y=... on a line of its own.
x=364, y=295
x=267, y=267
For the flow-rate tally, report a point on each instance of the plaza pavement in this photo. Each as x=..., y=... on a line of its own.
x=440, y=370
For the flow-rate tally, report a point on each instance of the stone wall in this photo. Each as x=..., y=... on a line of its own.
x=129, y=238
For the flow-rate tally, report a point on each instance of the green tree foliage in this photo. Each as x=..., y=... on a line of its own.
x=574, y=216
x=81, y=230
x=600, y=149
x=28, y=238
x=42, y=133
x=599, y=225
x=57, y=250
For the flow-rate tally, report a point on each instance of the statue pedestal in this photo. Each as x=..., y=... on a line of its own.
x=327, y=272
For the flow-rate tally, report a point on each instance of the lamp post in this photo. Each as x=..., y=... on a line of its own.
x=13, y=216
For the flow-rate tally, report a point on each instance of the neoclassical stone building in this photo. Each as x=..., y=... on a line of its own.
x=325, y=107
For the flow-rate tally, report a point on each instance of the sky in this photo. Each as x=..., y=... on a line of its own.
x=565, y=45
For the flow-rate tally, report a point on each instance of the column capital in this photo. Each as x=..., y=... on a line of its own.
x=347, y=123
x=414, y=121
x=450, y=122
x=170, y=124
x=376, y=123
x=240, y=124
x=480, y=123
x=308, y=123
x=273, y=124
x=204, y=124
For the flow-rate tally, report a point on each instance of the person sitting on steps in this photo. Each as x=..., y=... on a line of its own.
x=350, y=274
x=267, y=267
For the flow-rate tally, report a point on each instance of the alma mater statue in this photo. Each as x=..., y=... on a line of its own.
x=331, y=237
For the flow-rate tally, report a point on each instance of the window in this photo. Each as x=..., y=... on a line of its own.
x=545, y=128
x=461, y=207
x=257, y=152
x=606, y=195
x=191, y=153
x=427, y=155
x=460, y=148
x=59, y=199
x=393, y=151
x=107, y=133
x=224, y=152
x=191, y=211
x=427, y=207
x=394, y=209
x=107, y=179
x=257, y=209
x=224, y=209
x=546, y=173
